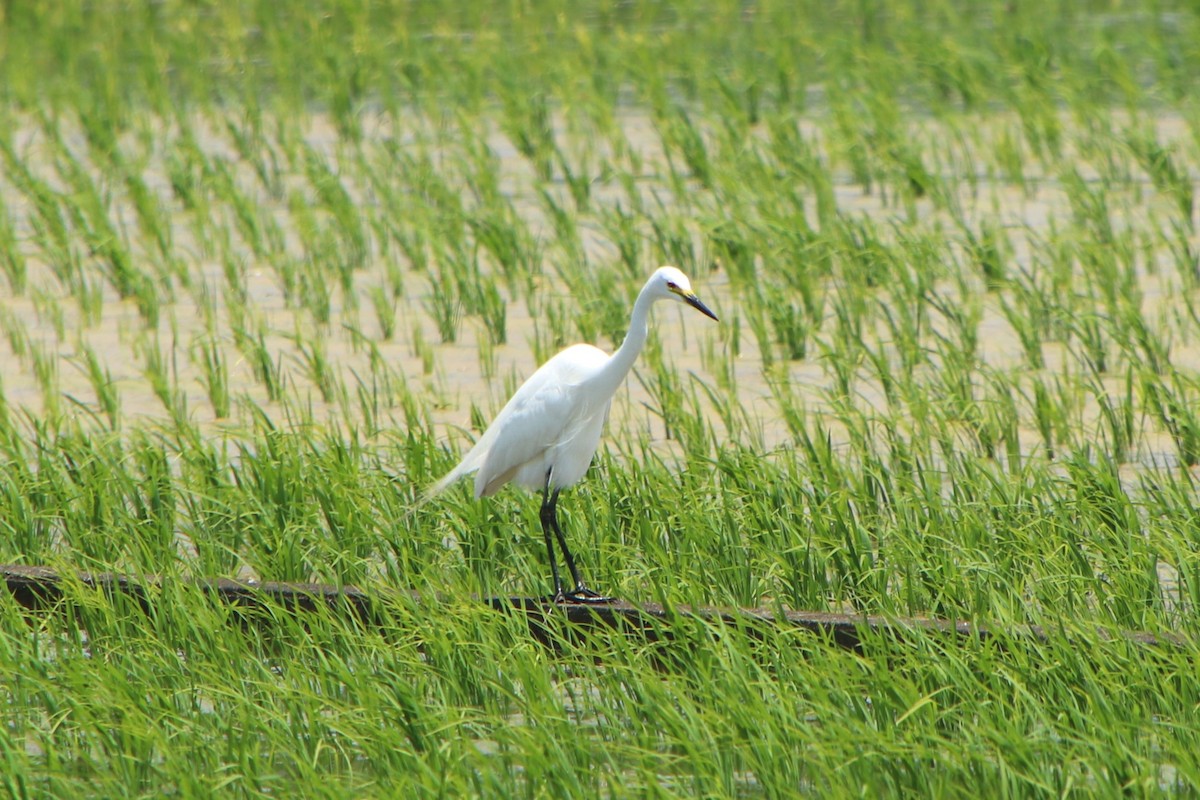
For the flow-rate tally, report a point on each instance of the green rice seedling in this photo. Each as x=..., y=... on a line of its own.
x=578, y=179
x=675, y=242
x=566, y=231
x=50, y=310
x=681, y=136
x=278, y=519
x=1166, y=496
x=1184, y=255
x=387, y=385
x=494, y=311
x=306, y=222
x=1089, y=206
x=879, y=362
x=526, y=121
x=1113, y=272
x=905, y=314
x=385, y=312
x=1009, y=156
x=1127, y=582
x=866, y=258
x=289, y=140
x=1041, y=124
x=479, y=168
x=1141, y=341
x=739, y=424
x=207, y=302
x=1045, y=417
x=1036, y=312
x=851, y=146
x=394, y=275
x=152, y=222
x=1030, y=331
x=717, y=360
x=155, y=369
x=913, y=178
x=147, y=300
x=1174, y=406
x=550, y=332
x=16, y=333
x=732, y=249
x=267, y=370
x=422, y=349
x=668, y=402
x=841, y=360
x=288, y=271
x=760, y=326
x=416, y=250
x=258, y=230
x=381, y=223
x=214, y=375
x=255, y=149
x=605, y=311
x=90, y=216
x=1058, y=411
x=1118, y=423
x=1168, y=177
x=793, y=326
x=790, y=403
x=444, y=305
x=503, y=235
x=211, y=515
x=320, y=371
x=190, y=174
x=45, y=371
x=627, y=161
x=1100, y=147
x=12, y=259
x=92, y=484
x=343, y=555
x=332, y=196
x=235, y=294
x=315, y=290
x=370, y=406
x=442, y=201
x=101, y=379
x=958, y=364
x=49, y=223
x=988, y=251
x=1090, y=332
x=850, y=313
x=731, y=335
x=802, y=161
x=153, y=501
x=621, y=228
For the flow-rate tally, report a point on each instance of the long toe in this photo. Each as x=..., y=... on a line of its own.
x=582, y=594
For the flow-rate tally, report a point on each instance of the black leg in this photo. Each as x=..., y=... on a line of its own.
x=581, y=593
x=549, y=523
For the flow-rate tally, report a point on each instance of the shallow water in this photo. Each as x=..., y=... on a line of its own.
x=458, y=378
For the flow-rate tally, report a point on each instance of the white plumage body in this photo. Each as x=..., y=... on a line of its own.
x=550, y=427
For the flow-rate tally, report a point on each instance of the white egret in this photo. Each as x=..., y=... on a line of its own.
x=545, y=436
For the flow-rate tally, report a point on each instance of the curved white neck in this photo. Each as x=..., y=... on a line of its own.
x=621, y=361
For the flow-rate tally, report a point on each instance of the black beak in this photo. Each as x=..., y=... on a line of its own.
x=695, y=303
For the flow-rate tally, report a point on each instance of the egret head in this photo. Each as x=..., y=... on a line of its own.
x=673, y=284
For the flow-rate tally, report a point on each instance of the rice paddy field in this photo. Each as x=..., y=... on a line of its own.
x=267, y=269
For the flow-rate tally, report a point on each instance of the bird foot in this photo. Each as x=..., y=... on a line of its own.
x=582, y=594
